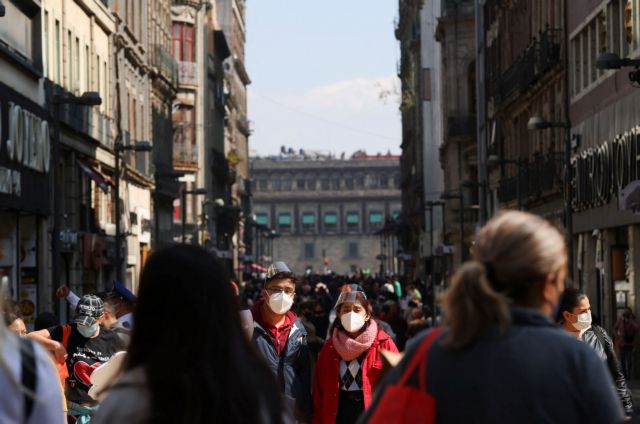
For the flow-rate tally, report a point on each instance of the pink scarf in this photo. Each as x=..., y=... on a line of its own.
x=348, y=348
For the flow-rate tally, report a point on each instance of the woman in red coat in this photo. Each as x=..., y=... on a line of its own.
x=350, y=362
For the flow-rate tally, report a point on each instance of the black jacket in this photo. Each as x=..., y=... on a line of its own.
x=533, y=373
x=599, y=340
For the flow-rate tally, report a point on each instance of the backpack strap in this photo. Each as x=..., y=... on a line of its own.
x=419, y=359
x=28, y=375
x=66, y=332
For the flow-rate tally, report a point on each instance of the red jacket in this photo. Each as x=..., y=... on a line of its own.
x=326, y=381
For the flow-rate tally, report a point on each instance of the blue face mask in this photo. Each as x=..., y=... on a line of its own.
x=88, y=331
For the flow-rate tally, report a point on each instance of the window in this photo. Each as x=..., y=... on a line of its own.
x=276, y=184
x=69, y=70
x=396, y=180
x=375, y=218
x=360, y=181
x=384, y=181
x=263, y=185
x=76, y=59
x=325, y=184
x=286, y=184
x=395, y=215
x=58, y=77
x=300, y=184
x=335, y=183
x=262, y=219
x=311, y=184
x=330, y=220
x=87, y=70
x=284, y=220
x=353, y=220
x=183, y=42
x=183, y=122
x=308, y=220
x=352, y=249
x=348, y=183
x=309, y=251
x=45, y=47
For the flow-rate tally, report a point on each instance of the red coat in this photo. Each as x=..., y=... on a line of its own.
x=326, y=381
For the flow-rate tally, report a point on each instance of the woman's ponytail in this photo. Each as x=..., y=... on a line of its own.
x=472, y=306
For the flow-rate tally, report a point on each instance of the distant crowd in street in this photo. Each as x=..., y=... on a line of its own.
x=515, y=344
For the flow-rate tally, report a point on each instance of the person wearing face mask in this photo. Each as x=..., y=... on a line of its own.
x=575, y=317
x=84, y=345
x=349, y=363
x=280, y=337
x=499, y=357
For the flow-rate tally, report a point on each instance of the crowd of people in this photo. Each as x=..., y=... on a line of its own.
x=514, y=345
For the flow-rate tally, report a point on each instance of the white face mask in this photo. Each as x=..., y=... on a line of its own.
x=352, y=321
x=584, y=321
x=280, y=303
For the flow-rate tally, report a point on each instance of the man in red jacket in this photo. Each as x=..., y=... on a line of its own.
x=282, y=340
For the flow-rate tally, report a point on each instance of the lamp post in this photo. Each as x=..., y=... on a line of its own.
x=119, y=148
x=89, y=98
x=537, y=123
x=183, y=206
x=460, y=197
x=494, y=160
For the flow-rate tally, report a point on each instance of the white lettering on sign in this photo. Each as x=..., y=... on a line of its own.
x=28, y=143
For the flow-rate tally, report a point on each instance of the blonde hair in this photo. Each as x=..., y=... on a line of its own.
x=512, y=252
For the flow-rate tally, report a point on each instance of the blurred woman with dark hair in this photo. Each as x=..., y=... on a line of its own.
x=189, y=361
x=349, y=363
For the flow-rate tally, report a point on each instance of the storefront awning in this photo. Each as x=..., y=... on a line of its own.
x=98, y=177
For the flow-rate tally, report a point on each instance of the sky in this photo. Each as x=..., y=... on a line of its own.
x=323, y=76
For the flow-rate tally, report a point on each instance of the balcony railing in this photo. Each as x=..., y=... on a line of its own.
x=164, y=61
x=539, y=178
x=539, y=58
x=188, y=73
x=185, y=154
x=83, y=119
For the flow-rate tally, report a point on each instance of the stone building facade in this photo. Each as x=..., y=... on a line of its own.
x=325, y=212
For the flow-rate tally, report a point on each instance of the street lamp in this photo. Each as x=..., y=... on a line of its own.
x=494, y=160
x=140, y=146
x=612, y=61
x=183, y=204
x=89, y=98
x=538, y=123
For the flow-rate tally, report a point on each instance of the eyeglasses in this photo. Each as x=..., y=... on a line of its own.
x=287, y=291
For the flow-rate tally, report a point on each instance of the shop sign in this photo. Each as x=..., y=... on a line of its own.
x=601, y=172
x=28, y=143
x=10, y=181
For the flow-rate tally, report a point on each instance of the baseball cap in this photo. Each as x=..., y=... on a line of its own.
x=278, y=269
x=90, y=307
x=120, y=291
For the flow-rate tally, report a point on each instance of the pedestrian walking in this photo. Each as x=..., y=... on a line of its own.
x=83, y=345
x=349, y=363
x=626, y=329
x=189, y=360
x=499, y=357
x=280, y=337
x=575, y=317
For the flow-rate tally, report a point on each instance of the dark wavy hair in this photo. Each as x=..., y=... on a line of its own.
x=187, y=336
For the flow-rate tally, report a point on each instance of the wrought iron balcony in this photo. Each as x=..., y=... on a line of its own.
x=166, y=64
x=185, y=155
x=538, y=178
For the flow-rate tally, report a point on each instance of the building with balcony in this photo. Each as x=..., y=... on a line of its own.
x=604, y=130
x=164, y=84
x=458, y=153
x=326, y=213
x=25, y=159
x=420, y=72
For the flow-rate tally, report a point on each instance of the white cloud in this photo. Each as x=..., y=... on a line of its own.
x=348, y=115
